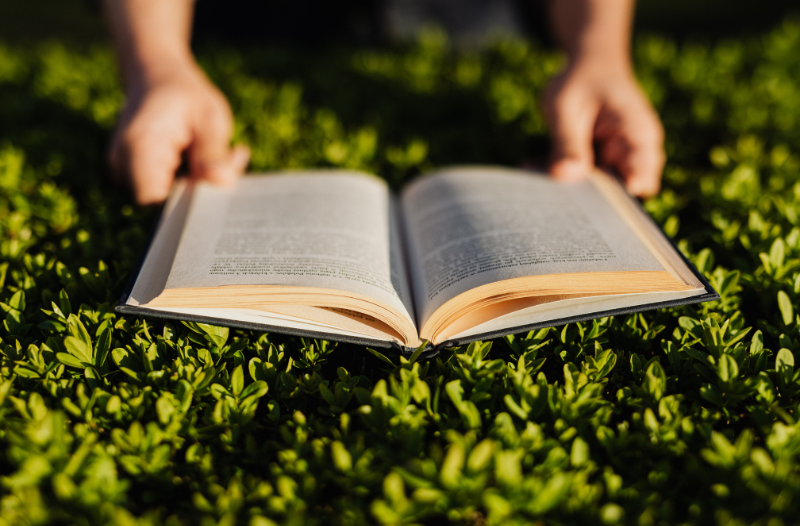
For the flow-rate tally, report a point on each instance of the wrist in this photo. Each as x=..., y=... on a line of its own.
x=144, y=72
x=601, y=61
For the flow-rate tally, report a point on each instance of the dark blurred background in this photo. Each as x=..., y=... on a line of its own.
x=26, y=22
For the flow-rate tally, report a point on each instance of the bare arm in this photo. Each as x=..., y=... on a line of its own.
x=172, y=109
x=587, y=27
x=150, y=36
x=597, y=99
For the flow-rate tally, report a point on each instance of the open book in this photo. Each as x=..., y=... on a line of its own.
x=463, y=254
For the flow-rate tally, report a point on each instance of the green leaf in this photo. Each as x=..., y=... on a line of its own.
x=729, y=283
x=380, y=356
x=450, y=473
x=704, y=261
x=785, y=305
x=508, y=468
x=237, y=381
x=609, y=360
x=327, y=395
x=727, y=369
x=341, y=457
x=777, y=253
x=165, y=409
x=215, y=334
x=17, y=301
x=124, y=358
x=92, y=378
x=149, y=357
x=551, y=495
x=757, y=343
x=68, y=359
x=256, y=369
x=580, y=454
x=63, y=301
x=612, y=513
x=51, y=326
x=136, y=375
x=103, y=346
x=455, y=391
x=78, y=343
x=784, y=361
x=691, y=325
x=63, y=487
x=218, y=392
x=113, y=405
x=25, y=372
x=394, y=490
x=420, y=392
x=256, y=389
x=700, y=356
x=515, y=408
x=655, y=383
x=418, y=352
x=480, y=456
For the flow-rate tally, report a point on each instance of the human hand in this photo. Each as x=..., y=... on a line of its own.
x=167, y=115
x=594, y=102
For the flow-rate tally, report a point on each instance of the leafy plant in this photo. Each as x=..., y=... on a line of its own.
x=684, y=415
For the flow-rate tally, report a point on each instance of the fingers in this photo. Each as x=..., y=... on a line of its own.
x=571, y=118
x=154, y=134
x=152, y=159
x=641, y=169
x=147, y=147
x=583, y=107
x=635, y=148
x=240, y=158
x=210, y=155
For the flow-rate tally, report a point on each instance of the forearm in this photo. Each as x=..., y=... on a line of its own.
x=597, y=30
x=151, y=37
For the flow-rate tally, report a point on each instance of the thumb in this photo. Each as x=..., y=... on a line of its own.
x=572, y=131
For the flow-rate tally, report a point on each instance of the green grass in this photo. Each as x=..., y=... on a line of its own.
x=685, y=415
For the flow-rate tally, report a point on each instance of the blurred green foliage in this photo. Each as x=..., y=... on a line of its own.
x=685, y=415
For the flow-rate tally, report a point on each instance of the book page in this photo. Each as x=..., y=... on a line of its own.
x=161, y=252
x=566, y=308
x=470, y=226
x=324, y=229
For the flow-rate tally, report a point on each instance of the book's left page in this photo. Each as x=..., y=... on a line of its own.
x=317, y=249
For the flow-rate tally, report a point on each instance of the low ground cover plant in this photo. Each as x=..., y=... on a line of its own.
x=685, y=415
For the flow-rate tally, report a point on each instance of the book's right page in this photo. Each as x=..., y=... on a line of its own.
x=489, y=246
